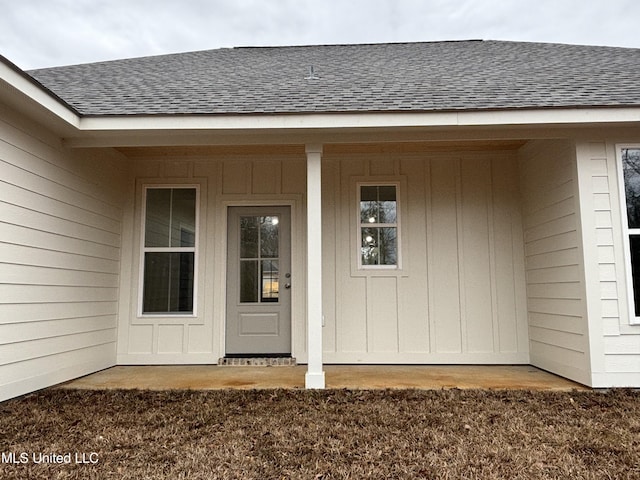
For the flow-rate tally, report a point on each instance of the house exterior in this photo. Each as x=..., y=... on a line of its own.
x=467, y=202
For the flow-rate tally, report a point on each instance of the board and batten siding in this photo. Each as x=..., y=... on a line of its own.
x=60, y=225
x=460, y=294
x=556, y=306
x=614, y=342
x=460, y=297
x=224, y=179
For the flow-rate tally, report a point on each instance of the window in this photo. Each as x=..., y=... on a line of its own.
x=169, y=249
x=630, y=165
x=378, y=229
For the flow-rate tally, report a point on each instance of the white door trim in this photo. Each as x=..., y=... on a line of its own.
x=219, y=264
x=259, y=313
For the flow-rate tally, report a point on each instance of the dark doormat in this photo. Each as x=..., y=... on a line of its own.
x=257, y=362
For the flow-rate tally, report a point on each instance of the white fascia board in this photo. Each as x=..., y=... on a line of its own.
x=37, y=95
x=572, y=116
x=279, y=122
x=320, y=121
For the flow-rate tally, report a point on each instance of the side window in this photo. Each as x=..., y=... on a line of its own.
x=378, y=231
x=630, y=163
x=169, y=250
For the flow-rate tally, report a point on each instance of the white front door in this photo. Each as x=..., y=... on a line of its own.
x=259, y=281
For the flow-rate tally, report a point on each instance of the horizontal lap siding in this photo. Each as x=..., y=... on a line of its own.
x=60, y=227
x=460, y=297
x=555, y=288
x=615, y=343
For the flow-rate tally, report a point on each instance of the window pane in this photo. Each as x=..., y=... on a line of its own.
x=369, y=212
x=183, y=217
x=168, y=282
x=369, y=204
x=170, y=217
x=634, y=242
x=388, y=246
x=248, y=281
x=156, y=232
x=269, y=237
x=369, y=247
x=369, y=193
x=631, y=169
x=270, y=281
x=182, y=283
x=387, y=204
x=378, y=204
x=248, y=237
x=379, y=246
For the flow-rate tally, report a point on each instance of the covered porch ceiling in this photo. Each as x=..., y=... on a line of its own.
x=328, y=149
x=413, y=136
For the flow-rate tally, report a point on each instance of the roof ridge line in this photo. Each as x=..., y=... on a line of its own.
x=365, y=44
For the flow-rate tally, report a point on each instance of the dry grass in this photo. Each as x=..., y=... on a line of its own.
x=272, y=434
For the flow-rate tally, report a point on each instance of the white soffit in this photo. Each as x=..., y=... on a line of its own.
x=345, y=127
x=321, y=121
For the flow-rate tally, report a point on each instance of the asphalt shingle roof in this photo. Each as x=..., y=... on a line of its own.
x=437, y=76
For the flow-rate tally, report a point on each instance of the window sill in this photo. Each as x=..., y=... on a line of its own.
x=380, y=272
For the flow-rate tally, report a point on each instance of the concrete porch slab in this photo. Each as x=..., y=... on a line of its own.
x=210, y=377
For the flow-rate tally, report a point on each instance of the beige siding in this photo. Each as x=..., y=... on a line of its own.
x=459, y=296
x=555, y=289
x=60, y=225
x=224, y=180
x=615, y=343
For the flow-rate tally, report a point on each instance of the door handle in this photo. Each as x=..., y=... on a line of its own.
x=287, y=286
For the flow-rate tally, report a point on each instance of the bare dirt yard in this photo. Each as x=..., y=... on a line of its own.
x=333, y=434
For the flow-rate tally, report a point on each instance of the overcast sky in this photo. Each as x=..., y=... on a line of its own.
x=42, y=33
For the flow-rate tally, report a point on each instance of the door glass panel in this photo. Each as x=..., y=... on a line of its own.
x=248, y=237
x=259, y=249
x=248, y=281
x=631, y=170
x=269, y=237
x=270, y=281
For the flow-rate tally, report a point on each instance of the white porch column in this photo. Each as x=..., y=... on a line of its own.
x=315, y=375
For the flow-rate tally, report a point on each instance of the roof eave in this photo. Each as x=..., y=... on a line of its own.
x=22, y=92
x=199, y=129
x=25, y=94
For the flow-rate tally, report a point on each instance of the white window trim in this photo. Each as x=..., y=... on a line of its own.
x=626, y=232
x=195, y=249
x=397, y=225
